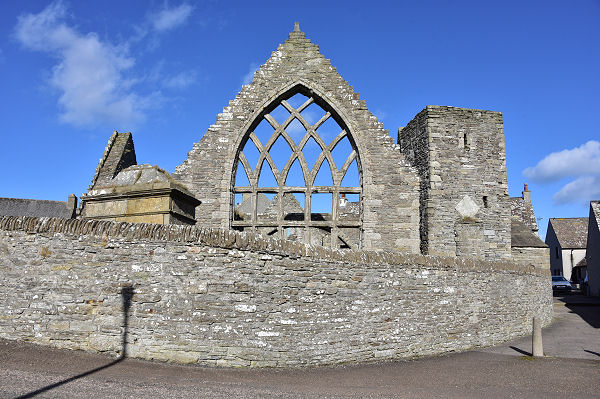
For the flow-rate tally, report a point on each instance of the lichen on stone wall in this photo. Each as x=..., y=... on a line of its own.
x=224, y=298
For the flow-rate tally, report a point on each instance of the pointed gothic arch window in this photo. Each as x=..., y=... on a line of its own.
x=297, y=174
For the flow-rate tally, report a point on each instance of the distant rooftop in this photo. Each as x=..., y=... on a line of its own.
x=34, y=208
x=571, y=232
x=522, y=236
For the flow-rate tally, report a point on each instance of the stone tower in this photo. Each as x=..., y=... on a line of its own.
x=464, y=203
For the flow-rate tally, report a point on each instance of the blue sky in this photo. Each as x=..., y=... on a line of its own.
x=72, y=72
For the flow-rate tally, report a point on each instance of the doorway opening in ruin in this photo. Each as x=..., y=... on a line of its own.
x=297, y=174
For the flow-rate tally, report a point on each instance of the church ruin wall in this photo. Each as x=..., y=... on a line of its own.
x=390, y=185
x=223, y=298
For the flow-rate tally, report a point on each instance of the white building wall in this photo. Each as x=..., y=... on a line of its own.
x=570, y=257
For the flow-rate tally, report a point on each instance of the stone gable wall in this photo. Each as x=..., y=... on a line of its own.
x=523, y=210
x=225, y=298
x=390, y=185
x=537, y=257
x=118, y=155
x=592, y=253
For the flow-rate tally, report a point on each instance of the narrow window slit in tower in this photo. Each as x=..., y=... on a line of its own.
x=485, y=201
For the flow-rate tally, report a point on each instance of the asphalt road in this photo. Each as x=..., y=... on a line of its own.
x=502, y=372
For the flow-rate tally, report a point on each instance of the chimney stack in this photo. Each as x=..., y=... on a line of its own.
x=526, y=194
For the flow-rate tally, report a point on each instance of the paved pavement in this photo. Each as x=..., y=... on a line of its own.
x=575, y=332
x=503, y=372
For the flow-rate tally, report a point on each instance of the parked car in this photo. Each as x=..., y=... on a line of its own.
x=560, y=284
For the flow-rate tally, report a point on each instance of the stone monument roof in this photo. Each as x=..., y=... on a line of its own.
x=138, y=174
x=137, y=178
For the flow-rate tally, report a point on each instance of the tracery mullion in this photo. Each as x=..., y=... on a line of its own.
x=264, y=154
x=330, y=147
x=309, y=176
x=273, y=138
x=300, y=108
x=271, y=121
x=322, y=156
x=322, y=120
x=274, y=169
x=259, y=147
x=301, y=119
x=290, y=141
x=336, y=140
x=296, y=149
x=247, y=169
x=298, y=153
x=279, y=130
x=275, y=125
x=347, y=164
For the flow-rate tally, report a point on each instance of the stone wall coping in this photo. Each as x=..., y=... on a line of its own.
x=459, y=109
x=248, y=241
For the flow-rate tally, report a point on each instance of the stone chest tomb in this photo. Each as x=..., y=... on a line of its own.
x=123, y=191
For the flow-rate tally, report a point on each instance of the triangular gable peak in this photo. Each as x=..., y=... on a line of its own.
x=389, y=185
x=118, y=155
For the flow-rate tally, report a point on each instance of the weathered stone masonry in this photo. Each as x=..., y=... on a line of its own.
x=464, y=203
x=209, y=295
x=218, y=297
x=390, y=198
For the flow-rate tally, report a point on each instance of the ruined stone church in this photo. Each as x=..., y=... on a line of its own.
x=297, y=155
x=215, y=254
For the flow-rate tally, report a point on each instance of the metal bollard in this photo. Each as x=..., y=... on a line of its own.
x=537, y=349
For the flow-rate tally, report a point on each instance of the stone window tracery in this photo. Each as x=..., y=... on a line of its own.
x=297, y=175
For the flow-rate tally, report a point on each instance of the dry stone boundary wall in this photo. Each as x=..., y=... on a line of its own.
x=225, y=298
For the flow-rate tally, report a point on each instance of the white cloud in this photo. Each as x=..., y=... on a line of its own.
x=181, y=80
x=581, y=164
x=582, y=190
x=310, y=116
x=170, y=18
x=578, y=161
x=90, y=73
x=247, y=78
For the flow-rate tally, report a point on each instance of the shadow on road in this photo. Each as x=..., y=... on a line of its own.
x=588, y=308
x=521, y=351
x=592, y=352
x=589, y=313
x=126, y=295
